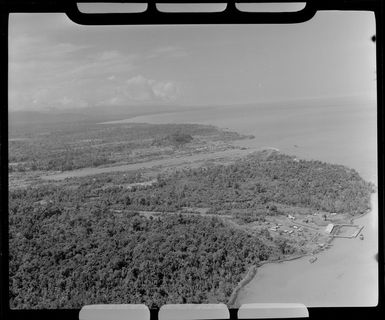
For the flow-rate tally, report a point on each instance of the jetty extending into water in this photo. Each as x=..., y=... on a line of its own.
x=345, y=231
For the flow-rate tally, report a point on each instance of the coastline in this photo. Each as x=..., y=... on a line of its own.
x=253, y=270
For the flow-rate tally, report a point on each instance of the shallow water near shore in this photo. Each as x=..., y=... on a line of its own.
x=344, y=275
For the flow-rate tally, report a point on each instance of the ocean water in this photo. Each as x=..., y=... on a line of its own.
x=341, y=131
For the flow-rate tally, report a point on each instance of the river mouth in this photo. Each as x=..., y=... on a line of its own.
x=346, y=275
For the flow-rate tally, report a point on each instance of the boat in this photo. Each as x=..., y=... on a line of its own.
x=313, y=259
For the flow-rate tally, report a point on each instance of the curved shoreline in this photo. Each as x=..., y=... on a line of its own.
x=253, y=270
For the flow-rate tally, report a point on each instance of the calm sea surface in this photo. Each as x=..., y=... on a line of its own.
x=340, y=131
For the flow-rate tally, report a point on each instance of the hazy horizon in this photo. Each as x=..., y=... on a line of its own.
x=55, y=64
x=153, y=107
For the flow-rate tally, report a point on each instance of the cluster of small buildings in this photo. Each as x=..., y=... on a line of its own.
x=275, y=228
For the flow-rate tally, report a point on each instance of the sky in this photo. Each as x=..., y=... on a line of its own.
x=57, y=64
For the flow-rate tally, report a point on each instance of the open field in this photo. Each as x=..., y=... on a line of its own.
x=85, y=145
x=184, y=160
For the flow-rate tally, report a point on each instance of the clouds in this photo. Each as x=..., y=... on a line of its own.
x=141, y=89
x=44, y=73
x=57, y=63
x=167, y=52
x=166, y=90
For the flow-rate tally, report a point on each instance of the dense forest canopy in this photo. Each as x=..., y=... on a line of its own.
x=83, y=240
x=80, y=145
x=97, y=257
